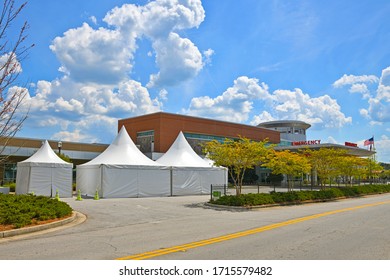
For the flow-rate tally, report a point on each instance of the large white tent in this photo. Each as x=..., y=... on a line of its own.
x=122, y=170
x=190, y=174
x=44, y=173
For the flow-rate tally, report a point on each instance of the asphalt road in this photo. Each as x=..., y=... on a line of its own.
x=125, y=228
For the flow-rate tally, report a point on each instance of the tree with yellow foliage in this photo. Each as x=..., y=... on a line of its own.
x=288, y=163
x=325, y=162
x=238, y=156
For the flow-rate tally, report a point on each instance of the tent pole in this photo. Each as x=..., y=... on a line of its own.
x=171, y=175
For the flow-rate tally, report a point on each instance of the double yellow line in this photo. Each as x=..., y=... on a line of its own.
x=185, y=247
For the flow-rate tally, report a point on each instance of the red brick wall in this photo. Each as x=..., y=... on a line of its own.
x=167, y=126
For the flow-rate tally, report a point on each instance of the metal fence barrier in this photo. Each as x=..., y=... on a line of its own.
x=217, y=191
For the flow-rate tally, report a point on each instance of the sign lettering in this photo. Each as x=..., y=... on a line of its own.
x=309, y=142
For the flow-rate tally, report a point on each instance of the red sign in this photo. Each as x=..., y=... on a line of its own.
x=349, y=144
x=309, y=142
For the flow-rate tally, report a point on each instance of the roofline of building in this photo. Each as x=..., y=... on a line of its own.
x=272, y=124
x=51, y=141
x=189, y=117
x=356, y=151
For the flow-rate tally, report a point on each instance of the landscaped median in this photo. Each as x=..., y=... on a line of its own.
x=296, y=197
x=17, y=211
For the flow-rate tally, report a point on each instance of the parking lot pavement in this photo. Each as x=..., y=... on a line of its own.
x=113, y=212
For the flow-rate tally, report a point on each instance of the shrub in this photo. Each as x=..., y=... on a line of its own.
x=257, y=199
x=298, y=196
x=230, y=200
x=22, y=210
x=328, y=194
x=11, y=186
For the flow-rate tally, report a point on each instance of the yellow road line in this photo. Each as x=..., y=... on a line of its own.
x=184, y=247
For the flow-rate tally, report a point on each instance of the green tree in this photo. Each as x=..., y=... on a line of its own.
x=373, y=169
x=237, y=156
x=64, y=157
x=288, y=163
x=325, y=162
x=351, y=167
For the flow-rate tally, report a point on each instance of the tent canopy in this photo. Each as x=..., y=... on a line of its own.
x=45, y=156
x=190, y=174
x=122, y=151
x=44, y=173
x=122, y=170
x=181, y=154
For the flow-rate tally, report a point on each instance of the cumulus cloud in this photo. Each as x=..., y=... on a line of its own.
x=207, y=55
x=352, y=79
x=76, y=135
x=378, y=110
x=96, y=63
x=263, y=117
x=9, y=64
x=178, y=59
x=382, y=147
x=98, y=56
x=234, y=104
x=157, y=18
x=89, y=106
x=238, y=102
x=320, y=112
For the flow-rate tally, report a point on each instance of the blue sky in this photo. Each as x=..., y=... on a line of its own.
x=323, y=62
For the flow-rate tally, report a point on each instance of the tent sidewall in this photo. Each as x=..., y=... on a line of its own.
x=44, y=179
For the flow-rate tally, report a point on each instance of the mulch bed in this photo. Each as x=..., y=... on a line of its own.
x=34, y=223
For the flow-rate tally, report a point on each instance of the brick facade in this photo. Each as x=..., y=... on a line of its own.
x=166, y=127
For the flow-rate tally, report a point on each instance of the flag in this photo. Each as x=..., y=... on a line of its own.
x=369, y=141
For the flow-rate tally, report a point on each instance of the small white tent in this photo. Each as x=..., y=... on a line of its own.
x=44, y=173
x=190, y=173
x=122, y=170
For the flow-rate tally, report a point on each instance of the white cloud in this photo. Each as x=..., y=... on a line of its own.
x=105, y=56
x=378, y=110
x=178, y=59
x=93, y=19
x=9, y=65
x=99, y=56
x=382, y=147
x=352, y=79
x=76, y=135
x=364, y=113
x=87, y=104
x=263, y=117
x=96, y=87
x=207, y=55
x=158, y=18
x=235, y=104
x=320, y=112
x=238, y=102
x=360, y=88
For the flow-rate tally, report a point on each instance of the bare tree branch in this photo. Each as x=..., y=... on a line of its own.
x=12, y=51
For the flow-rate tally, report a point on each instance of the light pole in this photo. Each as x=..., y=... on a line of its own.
x=59, y=147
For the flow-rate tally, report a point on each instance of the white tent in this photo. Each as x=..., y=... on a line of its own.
x=44, y=173
x=122, y=170
x=190, y=173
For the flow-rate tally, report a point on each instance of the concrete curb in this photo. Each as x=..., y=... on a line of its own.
x=31, y=229
x=256, y=207
x=248, y=208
